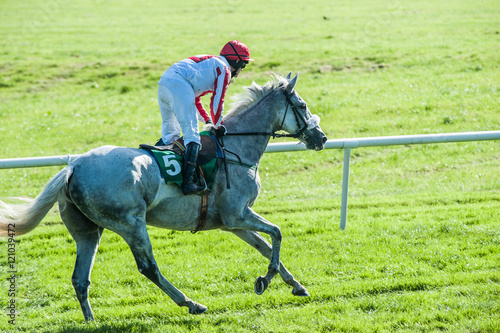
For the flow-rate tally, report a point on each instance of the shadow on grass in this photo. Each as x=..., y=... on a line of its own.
x=136, y=327
x=91, y=327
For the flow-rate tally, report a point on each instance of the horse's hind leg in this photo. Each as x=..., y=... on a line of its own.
x=258, y=242
x=138, y=239
x=87, y=236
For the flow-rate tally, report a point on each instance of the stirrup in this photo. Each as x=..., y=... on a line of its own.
x=205, y=190
x=197, y=189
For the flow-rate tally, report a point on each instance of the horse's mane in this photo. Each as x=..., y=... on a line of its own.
x=254, y=93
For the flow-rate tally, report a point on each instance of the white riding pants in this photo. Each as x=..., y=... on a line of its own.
x=176, y=99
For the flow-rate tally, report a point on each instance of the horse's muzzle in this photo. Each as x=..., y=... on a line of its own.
x=315, y=139
x=322, y=145
x=323, y=141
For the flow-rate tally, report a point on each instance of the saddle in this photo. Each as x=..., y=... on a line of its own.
x=169, y=160
x=207, y=152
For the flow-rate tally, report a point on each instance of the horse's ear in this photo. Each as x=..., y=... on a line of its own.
x=289, y=76
x=292, y=83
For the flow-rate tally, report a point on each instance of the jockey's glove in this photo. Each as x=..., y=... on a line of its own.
x=221, y=131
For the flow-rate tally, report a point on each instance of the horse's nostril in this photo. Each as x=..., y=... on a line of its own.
x=325, y=139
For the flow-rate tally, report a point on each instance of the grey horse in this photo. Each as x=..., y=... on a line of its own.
x=121, y=189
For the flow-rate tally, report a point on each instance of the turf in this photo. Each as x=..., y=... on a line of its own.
x=421, y=251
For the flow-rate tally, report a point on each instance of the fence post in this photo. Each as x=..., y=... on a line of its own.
x=345, y=188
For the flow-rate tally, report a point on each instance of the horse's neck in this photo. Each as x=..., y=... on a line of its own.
x=259, y=118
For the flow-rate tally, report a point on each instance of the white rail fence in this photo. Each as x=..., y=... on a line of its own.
x=346, y=144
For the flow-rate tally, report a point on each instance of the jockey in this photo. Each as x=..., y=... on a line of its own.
x=179, y=91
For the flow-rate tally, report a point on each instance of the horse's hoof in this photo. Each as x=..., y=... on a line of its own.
x=197, y=309
x=302, y=292
x=261, y=285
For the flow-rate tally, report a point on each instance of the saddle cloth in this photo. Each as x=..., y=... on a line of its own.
x=169, y=159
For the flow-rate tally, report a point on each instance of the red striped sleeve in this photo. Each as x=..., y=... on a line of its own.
x=201, y=109
x=225, y=77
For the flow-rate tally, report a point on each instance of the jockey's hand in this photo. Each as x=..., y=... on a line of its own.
x=221, y=131
x=209, y=122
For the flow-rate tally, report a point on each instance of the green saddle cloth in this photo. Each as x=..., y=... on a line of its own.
x=170, y=165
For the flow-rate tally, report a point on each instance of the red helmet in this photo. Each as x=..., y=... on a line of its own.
x=235, y=50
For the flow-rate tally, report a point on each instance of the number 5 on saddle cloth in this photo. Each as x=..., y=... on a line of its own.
x=169, y=159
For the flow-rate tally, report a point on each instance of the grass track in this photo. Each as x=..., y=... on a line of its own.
x=421, y=251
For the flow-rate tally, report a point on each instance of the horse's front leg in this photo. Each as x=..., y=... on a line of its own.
x=258, y=242
x=249, y=220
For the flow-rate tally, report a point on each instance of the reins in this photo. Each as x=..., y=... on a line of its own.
x=275, y=135
x=220, y=141
x=300, y=132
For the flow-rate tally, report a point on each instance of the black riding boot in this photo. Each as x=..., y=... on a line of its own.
x=189, y=167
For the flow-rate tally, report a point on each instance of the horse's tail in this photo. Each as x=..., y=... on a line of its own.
x=18, y=219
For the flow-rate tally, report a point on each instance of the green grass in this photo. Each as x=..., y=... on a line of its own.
x=421, y=251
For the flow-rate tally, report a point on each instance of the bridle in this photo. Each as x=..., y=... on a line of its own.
x=299, y=135
x=298, y=118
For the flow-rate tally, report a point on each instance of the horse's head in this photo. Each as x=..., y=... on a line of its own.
x=298, y=120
